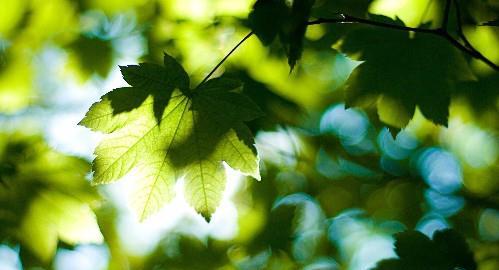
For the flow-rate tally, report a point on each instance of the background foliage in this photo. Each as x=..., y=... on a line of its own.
x=340, y=188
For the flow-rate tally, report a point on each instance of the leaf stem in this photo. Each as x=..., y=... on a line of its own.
x=225, y=58
x=441, y=32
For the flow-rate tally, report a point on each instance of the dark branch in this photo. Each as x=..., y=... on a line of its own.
x=351, y=19
x=441, y=32
x=225, y=58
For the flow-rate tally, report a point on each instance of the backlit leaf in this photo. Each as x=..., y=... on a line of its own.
x=166, y=132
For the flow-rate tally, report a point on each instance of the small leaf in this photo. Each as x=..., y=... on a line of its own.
x=294, y=32
x=195, y=132
x=270, y=18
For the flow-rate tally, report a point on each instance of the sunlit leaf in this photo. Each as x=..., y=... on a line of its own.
x=166, y=132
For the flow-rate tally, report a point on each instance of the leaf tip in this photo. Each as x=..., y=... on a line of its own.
x=81, y=123
x=206, y=215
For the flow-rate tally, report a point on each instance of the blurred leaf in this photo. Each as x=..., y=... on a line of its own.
x=262, y=13
x=44, y=197
x=198, y=129
x=92, y=55
x=403, y=69
x=16, y=82
x=288, y=21
x=183, y=251
x=293, y=33
x=447, y=250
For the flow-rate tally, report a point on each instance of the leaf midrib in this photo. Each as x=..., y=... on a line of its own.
x=163, y=163
x=139, y=140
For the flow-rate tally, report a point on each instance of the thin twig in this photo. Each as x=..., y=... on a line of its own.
x=225, y=58
x=351, y=19
x=467, y=43
x=460, y=26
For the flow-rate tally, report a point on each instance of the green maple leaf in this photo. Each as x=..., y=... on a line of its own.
x=402, y=71
x=166, y=132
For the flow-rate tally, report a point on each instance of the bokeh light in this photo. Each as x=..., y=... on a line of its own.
x=440, y=170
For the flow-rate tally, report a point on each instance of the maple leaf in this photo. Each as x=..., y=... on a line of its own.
x=400, y=72
x=167, y=131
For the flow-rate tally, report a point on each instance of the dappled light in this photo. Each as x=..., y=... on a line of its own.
x=249, y=134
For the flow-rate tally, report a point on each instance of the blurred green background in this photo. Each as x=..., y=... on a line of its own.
x=335, y=184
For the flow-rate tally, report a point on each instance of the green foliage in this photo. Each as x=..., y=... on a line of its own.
x=167, y=131
x=447, y=250
x=44, y=197
x=92, y=55
x=335, y=185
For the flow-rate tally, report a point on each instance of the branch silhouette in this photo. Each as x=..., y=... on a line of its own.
x=441, y=32
x=345, y=18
